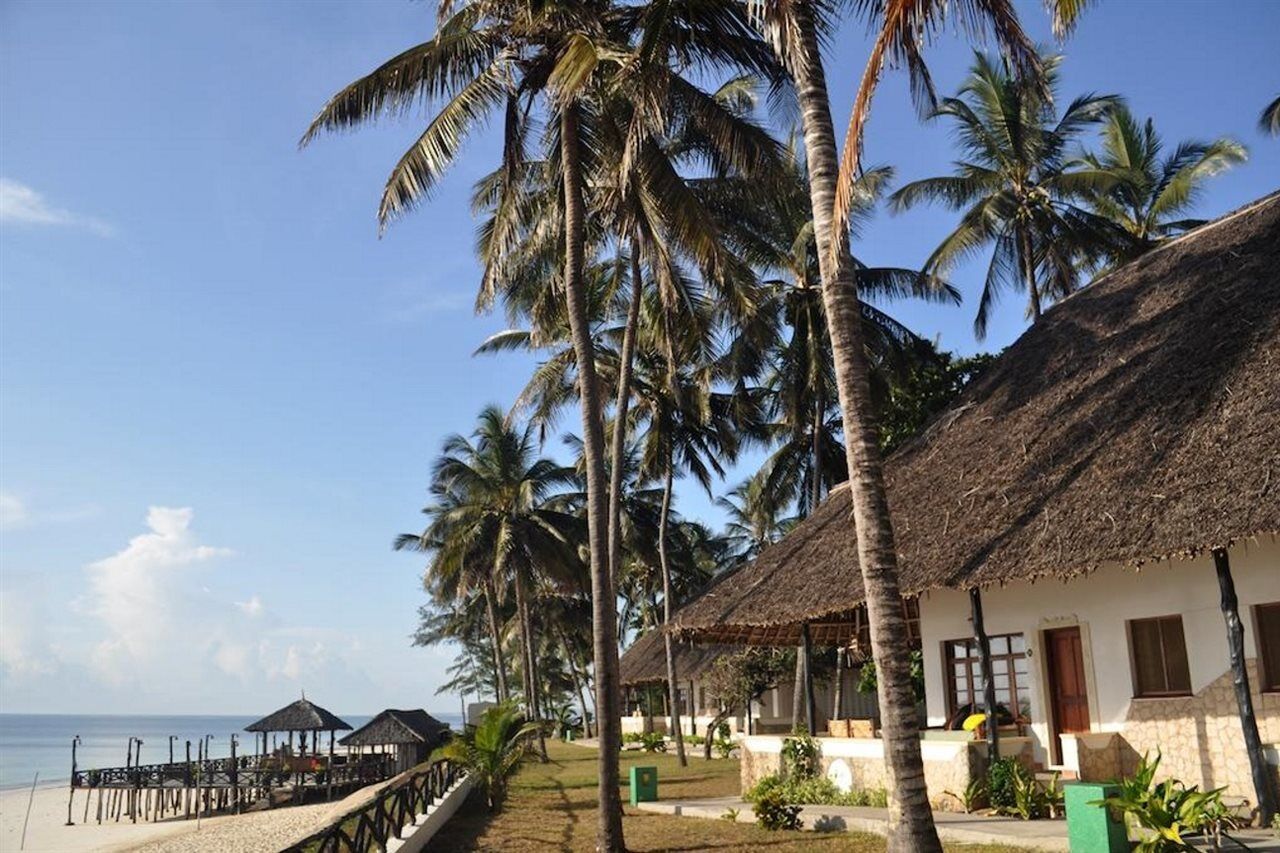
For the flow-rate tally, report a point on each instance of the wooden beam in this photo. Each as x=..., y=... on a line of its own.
x=1240, y=680
x=988, y=681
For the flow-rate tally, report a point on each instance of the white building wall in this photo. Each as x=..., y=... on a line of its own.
x=1101, y=603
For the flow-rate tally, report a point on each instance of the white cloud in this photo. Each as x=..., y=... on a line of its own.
x=22, y=205
x=132, y=591
x=15, y=513
x=252, y=607
x=21, y=652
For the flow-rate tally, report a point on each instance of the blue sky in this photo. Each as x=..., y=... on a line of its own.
x=198, y=318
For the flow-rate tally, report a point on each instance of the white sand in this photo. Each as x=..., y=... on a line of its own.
x=266, y=831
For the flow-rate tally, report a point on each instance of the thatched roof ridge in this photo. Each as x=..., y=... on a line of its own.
x=398, y=726
x=645, y=660
x=1138, y=421
x=300, y=716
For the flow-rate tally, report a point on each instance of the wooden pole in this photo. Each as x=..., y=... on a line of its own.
x=1240, y=680
x=329, y=772
x=71, y=797
x=809, y=710
x=988, y=679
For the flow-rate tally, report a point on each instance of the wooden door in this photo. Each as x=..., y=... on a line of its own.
x=1068, y=696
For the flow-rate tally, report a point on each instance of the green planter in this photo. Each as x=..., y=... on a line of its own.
x=1093, y=828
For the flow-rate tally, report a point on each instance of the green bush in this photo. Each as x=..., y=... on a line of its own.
x=653, y=742
x=800, y=757
x=773, y=812
x=723, y=747
x=631, y=737
x=1169, y=810
x=818, y=791
x=694, y=740
x=1002, y=783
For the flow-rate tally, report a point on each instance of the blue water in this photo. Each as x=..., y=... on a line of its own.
x=31, y=743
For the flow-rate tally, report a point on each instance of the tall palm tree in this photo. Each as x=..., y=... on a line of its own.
x=752, y=519
x=686, y=428
x=1017, y=188
x=500, y=507
x=503, y=54
x=794, y=29
x=1147, y=195
x=455, y=573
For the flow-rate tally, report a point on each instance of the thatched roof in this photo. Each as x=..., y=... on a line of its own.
x=1139, y=420
x=300, y=716
x=645, y=661
x=395, y=726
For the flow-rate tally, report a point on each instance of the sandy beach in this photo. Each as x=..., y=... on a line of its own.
x=258, y=832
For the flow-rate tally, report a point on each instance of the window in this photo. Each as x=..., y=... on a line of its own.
x=1159, y=652
x=1267, y=619
x=963, y=673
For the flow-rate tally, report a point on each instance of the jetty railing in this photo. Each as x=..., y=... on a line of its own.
x=192, y=788
x=372, y=825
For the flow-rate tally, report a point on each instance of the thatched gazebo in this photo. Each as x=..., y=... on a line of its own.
x=1136, y=422
x=302, y=717
x=643, y=665
x=412, y=734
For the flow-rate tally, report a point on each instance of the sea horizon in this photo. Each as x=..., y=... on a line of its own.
x=41, y=743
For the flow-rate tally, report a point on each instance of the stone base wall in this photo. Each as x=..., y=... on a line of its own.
x=1199, y=736
x=948, y=765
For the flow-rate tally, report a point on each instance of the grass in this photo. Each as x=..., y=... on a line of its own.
x=553, y=807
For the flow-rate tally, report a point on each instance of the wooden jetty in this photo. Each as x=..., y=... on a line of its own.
x=269, y=776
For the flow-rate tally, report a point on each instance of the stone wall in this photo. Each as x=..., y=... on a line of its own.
x=858, y=763
x=1199, y=736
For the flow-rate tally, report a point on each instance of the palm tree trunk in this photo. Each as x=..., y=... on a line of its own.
x=495, y=640
x=604, y=639
x=673, y=686
x=1029, y=273
x=530, y=664
x=910, y=824
x=619, y=449
x=539, y=688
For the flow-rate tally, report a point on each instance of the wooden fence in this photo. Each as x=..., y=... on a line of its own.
x=371, y=826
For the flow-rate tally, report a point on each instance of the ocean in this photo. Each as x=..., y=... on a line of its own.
x=41, y=743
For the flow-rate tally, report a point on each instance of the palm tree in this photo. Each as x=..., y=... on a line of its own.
x=1147, y=195
x=1016, y=187
x=493, y=54
x=752, y=519
x=686, y=428
x=793, y=29
x=492, y=750
x=500, y=507
x=1269, y=121
x=454, y=573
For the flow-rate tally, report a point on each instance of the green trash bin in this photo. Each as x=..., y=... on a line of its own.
x=1093, y=828
x=644, y=784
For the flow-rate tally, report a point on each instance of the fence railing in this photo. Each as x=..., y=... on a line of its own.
x=371, y=826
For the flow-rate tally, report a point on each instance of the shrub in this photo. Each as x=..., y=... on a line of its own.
x=819, y=791
x=1168, y=810
x=972, y=797
x=653, y=742
x=773, y=812
x=631, y=737
x=1001, y=785
x=800, y=757
x=724, y=748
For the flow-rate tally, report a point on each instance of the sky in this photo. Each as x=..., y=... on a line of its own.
x=221, y=391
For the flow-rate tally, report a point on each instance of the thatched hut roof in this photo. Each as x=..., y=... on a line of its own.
x=645, y=660
x=396, y=726
x=1139, y=420
x=300, y=716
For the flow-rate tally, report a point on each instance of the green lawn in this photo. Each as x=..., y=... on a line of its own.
x=552, y=807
